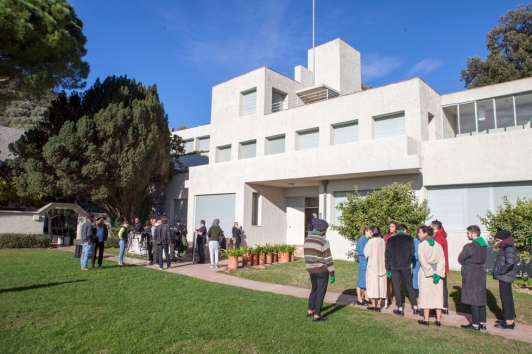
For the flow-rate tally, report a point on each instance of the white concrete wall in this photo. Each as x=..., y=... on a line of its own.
x=20, y=222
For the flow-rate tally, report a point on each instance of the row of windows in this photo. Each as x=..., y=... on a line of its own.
x=341, y=133
x=201, y=144
x=488, y=115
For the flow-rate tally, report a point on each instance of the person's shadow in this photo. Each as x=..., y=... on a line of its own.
x=330, y=309
x=491, y=302
x=493, y=305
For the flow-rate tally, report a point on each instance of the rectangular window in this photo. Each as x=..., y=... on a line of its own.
x=256, y=209
x=485, y=115
x=504, y=108
x=308, y=139
x=224, y=153
x=248, y=149
x=180, y=210
x=278, y=98
x=390, y=125
x=249, y=101
x=276, y=144
x=189, y=145
x=346, y=132
x=204, y=143
x=467, y=118
x=523, y=109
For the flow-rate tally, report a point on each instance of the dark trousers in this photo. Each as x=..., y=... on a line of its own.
x=446, y=295
x=507, y=299
x=319, y=289
x=164, y=248
x=201, y=253
x=150, y=251
x=479, y=314
x=406, y=274
x=97, y=247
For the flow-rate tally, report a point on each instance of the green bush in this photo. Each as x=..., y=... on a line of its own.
x=396, y=202
x=24, y=241
x=516, y=219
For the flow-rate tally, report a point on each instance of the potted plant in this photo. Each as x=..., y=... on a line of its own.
x=291, y=249
x=245, y=256
x=232, y=256
x=275, y=253
x=268, y=250
x=260, y=251
x=284, y=255
x=251, y=255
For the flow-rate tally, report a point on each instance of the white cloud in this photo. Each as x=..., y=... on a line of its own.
x=375, y=66
x=424, y=67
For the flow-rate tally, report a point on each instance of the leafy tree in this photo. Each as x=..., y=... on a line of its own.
x=515, y=218
x=106, y=145
x=25, y=114
x=510, y=51
x=41, y=48
x=396, y=202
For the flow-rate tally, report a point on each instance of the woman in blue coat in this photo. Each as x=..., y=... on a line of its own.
x=362, y=265
x=415, y=260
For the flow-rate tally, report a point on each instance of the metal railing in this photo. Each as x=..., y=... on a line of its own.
x=302, y=100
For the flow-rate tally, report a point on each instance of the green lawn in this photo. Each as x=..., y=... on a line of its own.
x=294, y=274
x=50, y=306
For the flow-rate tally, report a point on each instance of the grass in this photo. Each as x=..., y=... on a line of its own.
x=50, y=306
x=294, y=274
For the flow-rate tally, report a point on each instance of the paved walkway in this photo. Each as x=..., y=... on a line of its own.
x=202, y=271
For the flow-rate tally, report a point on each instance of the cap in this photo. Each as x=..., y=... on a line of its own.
x=503, y=234
x=321, y=225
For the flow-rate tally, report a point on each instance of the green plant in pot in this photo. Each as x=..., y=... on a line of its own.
x=284, y=254
x=291, y=249
x=245, y=256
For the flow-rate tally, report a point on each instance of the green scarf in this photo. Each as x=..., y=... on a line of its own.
x=400, y=232
x=430, y=241
x=367, y=238
x=480, y=241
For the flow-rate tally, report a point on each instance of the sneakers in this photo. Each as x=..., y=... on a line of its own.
x=161, y=268
x=100, y=267
x=211, y=266
x=471, y=327
x=217, y=265
x=84, y=268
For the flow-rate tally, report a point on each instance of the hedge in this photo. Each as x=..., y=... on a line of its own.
x=24, y=241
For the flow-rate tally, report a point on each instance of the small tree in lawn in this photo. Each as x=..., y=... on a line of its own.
x=515, y=218
x=396, y=202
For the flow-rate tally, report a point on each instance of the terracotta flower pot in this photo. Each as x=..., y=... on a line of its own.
x=284, y=257
x=291, y=257
x=245, y=260
x=269, y=258
x=232, y=263
x=262, y=258
x=275, y=257
x=252, y=260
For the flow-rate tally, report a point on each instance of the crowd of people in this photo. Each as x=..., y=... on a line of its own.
x=420, y=263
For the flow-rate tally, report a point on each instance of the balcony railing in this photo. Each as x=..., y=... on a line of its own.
x=305, y=98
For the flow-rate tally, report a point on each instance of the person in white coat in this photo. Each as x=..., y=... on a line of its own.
x=376, y=269
x=431, y=273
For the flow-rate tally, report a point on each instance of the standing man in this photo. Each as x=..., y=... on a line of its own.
x=399, y=252
x=102, y=233
x=181, y=239
x=440, y=236
x=122, y=236
x=164, y=239
x=154, y=224
x=320, y=266
x=314, y=220
x=472, y=258
x=86, y=234
x=201, y=235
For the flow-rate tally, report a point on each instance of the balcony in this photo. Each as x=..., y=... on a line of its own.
x=305, y=97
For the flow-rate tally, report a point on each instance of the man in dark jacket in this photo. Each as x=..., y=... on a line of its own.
x=398, y=259
x=472, y=258
x=86, y=234
x=163, y=239
x=98, y=245
x=201, y=238
x=505, y=271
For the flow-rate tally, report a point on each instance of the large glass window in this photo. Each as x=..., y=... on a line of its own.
x=224, y=153
x=204, y=143
x=249, y=101
x=504, y=108
x=308, y=139
x=189, y=145
x=180, y=210
x=485, y=114
x=523, y=109
x=345, y=133
x=248, y=149
x=390, y=125
x=276, y=144
x=467, y=118
x=278, y=98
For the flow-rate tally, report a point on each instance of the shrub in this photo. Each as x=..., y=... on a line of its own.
x=233, y=252
x=516, y=219
x=396, y=202
x=24, y=241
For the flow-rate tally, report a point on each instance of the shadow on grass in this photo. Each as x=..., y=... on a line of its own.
x=330, y=309
x=460, y=307
x=493, y=306
x=38, y=286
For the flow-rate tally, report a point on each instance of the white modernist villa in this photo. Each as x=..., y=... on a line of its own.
x=279, y=149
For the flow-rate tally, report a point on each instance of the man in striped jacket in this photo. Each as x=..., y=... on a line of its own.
x=320, y=266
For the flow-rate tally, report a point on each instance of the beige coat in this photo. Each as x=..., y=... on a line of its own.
x=376, y=271
x=431, y=260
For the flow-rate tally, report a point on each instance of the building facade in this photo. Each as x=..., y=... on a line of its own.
x=279, y=149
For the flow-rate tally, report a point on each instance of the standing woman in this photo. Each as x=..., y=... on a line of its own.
x=362, y=265
x=504, y=271
x=432, y=262
x=376, y=270
x=415, y=261
x=392, y=231
x=216, y=235
x=237, y=235
x=122, y=236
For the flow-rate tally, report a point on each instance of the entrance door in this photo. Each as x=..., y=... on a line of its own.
x=308, y=218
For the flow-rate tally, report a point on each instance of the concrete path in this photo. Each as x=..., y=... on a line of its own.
x=204, y=272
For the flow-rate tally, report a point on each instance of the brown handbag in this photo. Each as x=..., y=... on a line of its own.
x=233, y=240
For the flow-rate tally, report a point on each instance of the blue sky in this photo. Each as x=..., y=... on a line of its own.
x=186, y=47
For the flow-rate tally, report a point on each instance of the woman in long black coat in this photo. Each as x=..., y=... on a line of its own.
x=505, y=270
x=472, y=258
